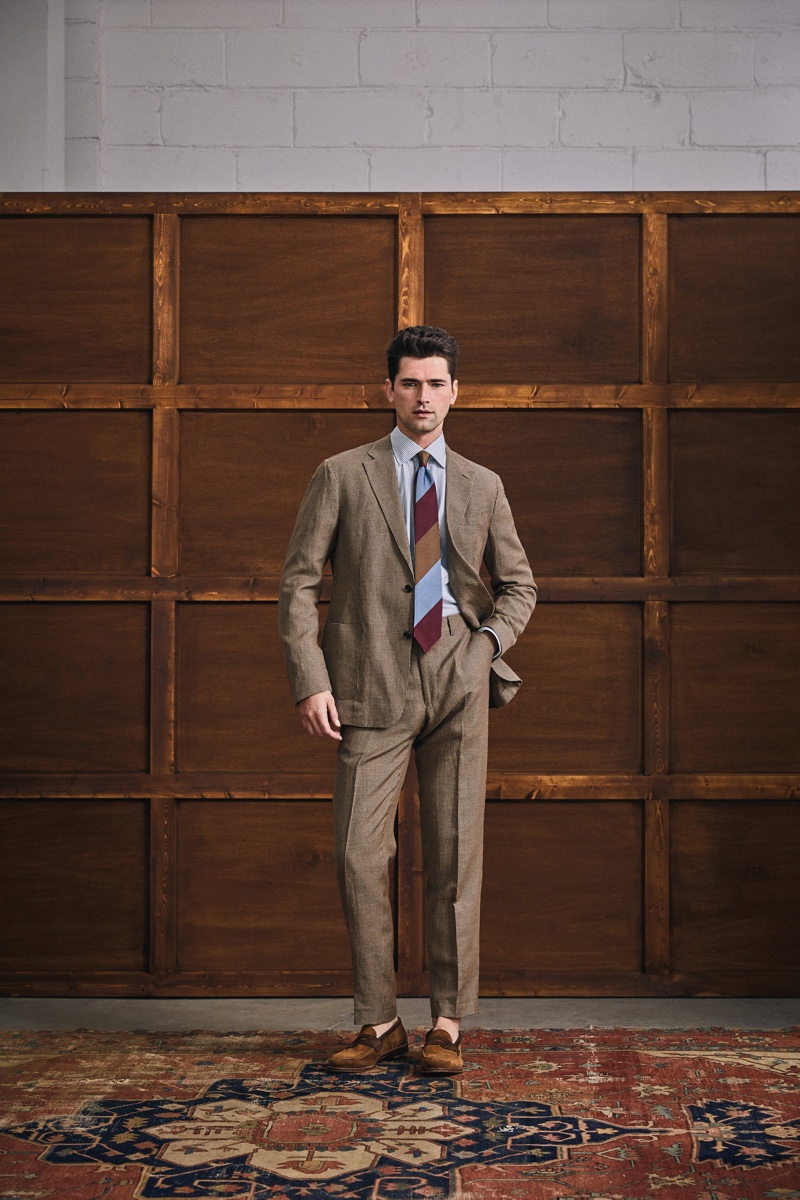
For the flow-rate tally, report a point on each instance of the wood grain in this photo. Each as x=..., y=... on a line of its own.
x=163, y=885
x=490, y=396
x=519, y=787
x=654, y=298
x=76, y=299
x=257, y=984
x=166, y=297
x=655, y=487
x=735, y=886
x=231, y=586
x=162, y=687
x=656, y=687
x=286, y=299
x=164, y=549
x=410, y=262
x=656, y=886
x=661, y=670
x=734, y=299
x=326, y=203
x=549, y=298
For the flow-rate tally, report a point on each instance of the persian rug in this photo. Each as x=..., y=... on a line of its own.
x=578, y=1114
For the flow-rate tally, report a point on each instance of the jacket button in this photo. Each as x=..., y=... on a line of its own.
x=408, y=588
x=406, y=633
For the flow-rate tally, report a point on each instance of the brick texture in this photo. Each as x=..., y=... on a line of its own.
x=360, y=95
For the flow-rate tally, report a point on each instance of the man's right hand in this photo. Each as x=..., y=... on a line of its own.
x=319, y=716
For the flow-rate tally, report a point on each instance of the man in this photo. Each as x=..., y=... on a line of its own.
x=410, y=656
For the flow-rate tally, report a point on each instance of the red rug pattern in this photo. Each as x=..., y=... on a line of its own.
x=579, y=1114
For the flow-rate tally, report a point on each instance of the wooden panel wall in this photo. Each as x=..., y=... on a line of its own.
x=172, y=370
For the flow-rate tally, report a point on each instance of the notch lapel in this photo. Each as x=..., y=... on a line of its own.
x=382, y=476
x=457, y=491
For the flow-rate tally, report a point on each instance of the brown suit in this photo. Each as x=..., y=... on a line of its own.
x=390, y=696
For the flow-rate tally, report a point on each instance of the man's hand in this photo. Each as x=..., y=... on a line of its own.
x=318, y=714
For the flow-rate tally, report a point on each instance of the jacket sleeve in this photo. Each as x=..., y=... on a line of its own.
x=513, y=584
x=310, y=547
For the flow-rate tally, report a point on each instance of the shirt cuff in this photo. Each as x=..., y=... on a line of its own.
x=499, y=650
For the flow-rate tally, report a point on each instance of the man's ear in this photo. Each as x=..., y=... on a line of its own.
x=455, y=391
x=389, y=390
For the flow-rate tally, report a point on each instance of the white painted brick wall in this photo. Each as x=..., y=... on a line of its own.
x=648, y=118
x=162, y=57
x=739, y=14
x=614, y=14
x=558, y=60
x=481, y=14
x=292, y=58
x=348, y=14
x=360, y=95
x=200, y=14
x=783, y=169
x=746, y=118
x=777, y=59
x=492, y=117
x=226, y=117
x=566, y=170
x=131, y=117
x=82, y=95
x=697, y=170
x=688, y=59
x=429, y=58
x=360, y=117
x=303, y=171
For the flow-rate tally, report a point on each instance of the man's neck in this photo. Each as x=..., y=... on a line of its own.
x=423, y=440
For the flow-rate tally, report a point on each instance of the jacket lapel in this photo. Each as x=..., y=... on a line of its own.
x=382, y=475
x=457, y=491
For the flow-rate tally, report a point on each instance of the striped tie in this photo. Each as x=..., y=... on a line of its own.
x=427, y=558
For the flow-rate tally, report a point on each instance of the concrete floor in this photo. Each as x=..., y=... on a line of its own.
x=229, y=1016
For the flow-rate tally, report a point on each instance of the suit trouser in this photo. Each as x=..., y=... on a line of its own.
x=445, y=720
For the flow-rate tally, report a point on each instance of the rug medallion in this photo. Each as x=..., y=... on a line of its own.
x=550, y=1115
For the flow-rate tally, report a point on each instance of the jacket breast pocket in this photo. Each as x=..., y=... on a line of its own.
x=342, y=645
x=471, y=541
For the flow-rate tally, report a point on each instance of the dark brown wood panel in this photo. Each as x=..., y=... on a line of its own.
x=573, y=480
x=76, y=492
x=537, y=299
x=257, y=887
x=243, y=476
x=735, y=868
x=75, y=298
x=562, y=887
x=74, y=695
x=735, y=687
x=735, y=494
x=286, y=299
x=642, y=826
x=581, y=702
x=73, y=885
x=235, y=710
x=734, y=298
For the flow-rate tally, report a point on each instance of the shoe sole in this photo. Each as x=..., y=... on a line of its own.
x=397, y=1053
x=440, y=1070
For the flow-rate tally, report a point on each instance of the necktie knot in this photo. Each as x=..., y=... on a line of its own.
x=423, y=457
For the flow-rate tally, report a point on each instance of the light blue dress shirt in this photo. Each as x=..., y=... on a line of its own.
x=405, y=461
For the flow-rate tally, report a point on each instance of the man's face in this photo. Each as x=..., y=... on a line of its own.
x=422, y=394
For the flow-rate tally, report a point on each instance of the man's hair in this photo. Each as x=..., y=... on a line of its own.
x=421, y=341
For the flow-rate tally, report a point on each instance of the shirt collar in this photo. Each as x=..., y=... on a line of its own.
x=405, y=449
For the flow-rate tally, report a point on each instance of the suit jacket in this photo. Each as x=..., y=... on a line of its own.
x=351, y=515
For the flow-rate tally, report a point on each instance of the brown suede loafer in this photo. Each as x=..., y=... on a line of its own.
x=440, y=1055
x=367, y=1051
